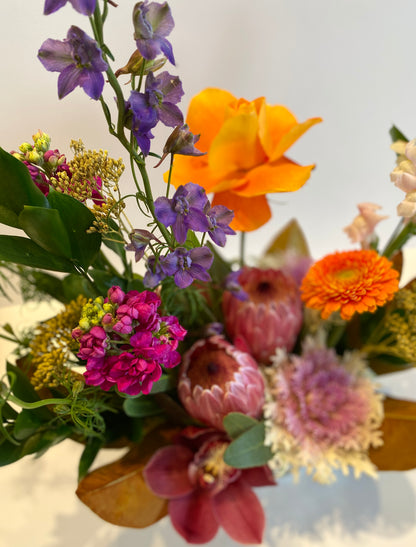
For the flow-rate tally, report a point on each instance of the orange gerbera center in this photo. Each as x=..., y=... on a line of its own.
x=349, y=282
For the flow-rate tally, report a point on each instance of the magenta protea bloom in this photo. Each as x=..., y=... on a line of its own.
x=205, y=493
x=324, y=413
x=216, y=379
x=270, y=318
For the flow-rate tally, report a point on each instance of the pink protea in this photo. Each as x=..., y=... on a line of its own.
x=216, y=378
x=270, y=318
x=204, y=492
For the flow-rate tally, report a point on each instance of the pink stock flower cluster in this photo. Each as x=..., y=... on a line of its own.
x=125, y=342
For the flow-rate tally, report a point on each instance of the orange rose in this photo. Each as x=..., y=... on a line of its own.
x=245, y=142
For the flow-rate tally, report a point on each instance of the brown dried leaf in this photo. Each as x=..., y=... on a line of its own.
x=290, y=237
x=118, y=493
x=399, y=434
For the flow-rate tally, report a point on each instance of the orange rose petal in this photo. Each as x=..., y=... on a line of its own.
x=237, y=147
x=275, y=122
x=281, y=176
x=206, y=114
x=249, y=213
x=190, y=169
x=291, y=137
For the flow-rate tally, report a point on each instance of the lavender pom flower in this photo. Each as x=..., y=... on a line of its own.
x=79, y=61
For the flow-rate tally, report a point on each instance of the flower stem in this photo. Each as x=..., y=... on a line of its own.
x=242, y=248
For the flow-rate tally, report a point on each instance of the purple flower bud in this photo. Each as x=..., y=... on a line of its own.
x=139, y=239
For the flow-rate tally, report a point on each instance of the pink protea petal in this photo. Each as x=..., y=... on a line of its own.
x=240, y=513
x=193, y=517
x=166, y=473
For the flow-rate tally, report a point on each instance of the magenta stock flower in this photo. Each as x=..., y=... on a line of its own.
x=205, y=493
x=270, y=318
x=79, y=61
x=216, y=379
x=125, y=342
x=86, y=7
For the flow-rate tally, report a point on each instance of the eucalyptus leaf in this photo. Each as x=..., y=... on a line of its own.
x=236, y=424
x=21, y=250
x=248, y=450
x=141, y=407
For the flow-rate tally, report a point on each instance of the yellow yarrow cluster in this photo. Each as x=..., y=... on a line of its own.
x=52, y=346
x=402, y=323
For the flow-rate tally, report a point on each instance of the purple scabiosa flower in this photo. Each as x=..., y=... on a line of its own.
x=157, y=103
x=216, y=378
x=219, y=218
x=86, y=7
x=270, y=318
x=184, y=211
x=152, y=23
x=186, y=266
x=325, y=412
x=79, y=61
x=139, y=240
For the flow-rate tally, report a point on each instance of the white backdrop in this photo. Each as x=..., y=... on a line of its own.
x=348, y=61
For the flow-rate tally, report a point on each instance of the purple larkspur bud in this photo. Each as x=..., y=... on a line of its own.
x=152, y=23
x=216, y=378
x=181, y=141
x=79, y=61
x=139, y=240
x=270, y=318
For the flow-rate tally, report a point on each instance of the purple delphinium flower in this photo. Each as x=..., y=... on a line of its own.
x=157, y=103
x=152, y=23
x=86, y=7
x=219, y=218
x=232, y=285
x=79, y=61
x=185, y=211
x=186, y=266
x=154, y=273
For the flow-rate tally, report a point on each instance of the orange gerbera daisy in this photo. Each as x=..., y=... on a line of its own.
x=352, y=281
x=245, y=144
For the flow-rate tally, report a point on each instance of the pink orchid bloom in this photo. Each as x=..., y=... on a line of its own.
x=205, y=493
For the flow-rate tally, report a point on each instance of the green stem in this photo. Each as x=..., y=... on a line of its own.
x=242, y=248
x=37, y=404
x=399, y=237
x=170, y=175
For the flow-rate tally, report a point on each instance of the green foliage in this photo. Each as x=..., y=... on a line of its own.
x=92, y=447
x=247, y=448
x=397, y=135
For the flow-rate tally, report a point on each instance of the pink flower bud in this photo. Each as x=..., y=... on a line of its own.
x=271, y=318
x=216, y=379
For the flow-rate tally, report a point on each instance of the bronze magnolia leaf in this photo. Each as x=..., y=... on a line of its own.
x=399, y=434
x=118, y=493
x=290, y=237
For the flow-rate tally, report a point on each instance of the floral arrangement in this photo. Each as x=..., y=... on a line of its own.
x=216, y=376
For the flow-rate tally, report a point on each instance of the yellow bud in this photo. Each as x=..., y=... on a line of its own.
x=25, y=147
x=34, y=157
x=84, y=323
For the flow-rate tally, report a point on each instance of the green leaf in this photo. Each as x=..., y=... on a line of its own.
x=8, y=412
x=397, y=135
x=77, y=218
x=92, y=447
x=27, y=423
x=45, y=227
x=40, y=442
x=248, y=449
x=48, y=284
x=9, y=452
x=17, y=188
x=74, y=285
x=23, y=389
x=236, y=424
x=141, y=407
x=21, y=250
x=9, y=217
